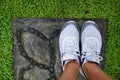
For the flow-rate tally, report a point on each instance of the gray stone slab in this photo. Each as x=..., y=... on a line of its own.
x=36, y=50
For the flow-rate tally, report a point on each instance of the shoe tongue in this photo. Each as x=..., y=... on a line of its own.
x=93, y=58
x=67, y=57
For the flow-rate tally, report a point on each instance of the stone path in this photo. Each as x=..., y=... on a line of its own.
x=36, y=50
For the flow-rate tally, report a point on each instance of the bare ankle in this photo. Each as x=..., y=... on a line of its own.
x=93, y=72
x=73, y=64
x=89, y=64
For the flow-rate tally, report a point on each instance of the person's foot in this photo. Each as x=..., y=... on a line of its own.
x=69, y=43
x=91, y=42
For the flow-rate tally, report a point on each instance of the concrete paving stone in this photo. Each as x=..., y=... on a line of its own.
x=36, y=49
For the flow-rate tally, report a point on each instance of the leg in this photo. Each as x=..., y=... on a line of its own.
x=71, y=71
x=94, y=72
x=69, y=49
x=91, y=41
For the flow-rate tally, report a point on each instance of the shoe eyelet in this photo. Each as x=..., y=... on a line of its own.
x=77, y=52
x=96, y=52
x=84, y=54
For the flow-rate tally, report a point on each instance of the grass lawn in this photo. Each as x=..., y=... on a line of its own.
x=106, y=9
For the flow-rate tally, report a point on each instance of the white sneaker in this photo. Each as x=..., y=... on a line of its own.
x=69, y=43
x=91, y=42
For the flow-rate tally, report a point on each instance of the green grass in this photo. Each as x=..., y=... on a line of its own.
x=106, y=9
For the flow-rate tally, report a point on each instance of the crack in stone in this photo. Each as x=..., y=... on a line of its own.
x=32, y=62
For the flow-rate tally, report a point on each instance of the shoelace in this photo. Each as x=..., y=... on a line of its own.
x=90, y=51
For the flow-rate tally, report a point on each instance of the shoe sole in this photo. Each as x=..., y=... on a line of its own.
x=82, y=29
